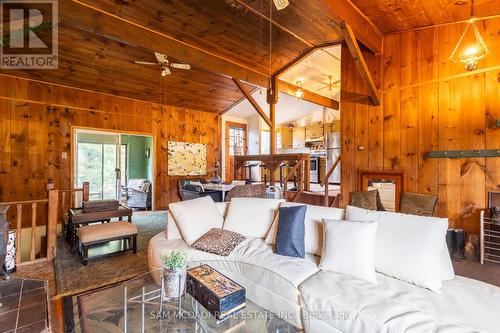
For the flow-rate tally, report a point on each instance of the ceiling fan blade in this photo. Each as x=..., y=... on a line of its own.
x=324, y=87
x=160, y=57
x=180, y=66
x=145, y=63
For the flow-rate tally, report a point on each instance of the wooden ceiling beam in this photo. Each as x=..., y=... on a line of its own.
x=85, y=16
x=359, y=60
x=253, y=102
x=276, y=24
x=309, y=96
x=367, y=32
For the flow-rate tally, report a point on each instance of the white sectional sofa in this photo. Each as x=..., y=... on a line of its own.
x=325, y=301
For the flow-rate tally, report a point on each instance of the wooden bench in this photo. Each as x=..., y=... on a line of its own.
x=98, y=234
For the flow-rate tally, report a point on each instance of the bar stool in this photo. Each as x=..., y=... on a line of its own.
x=250, y=166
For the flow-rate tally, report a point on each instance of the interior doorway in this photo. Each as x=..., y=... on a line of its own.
x=236, y=144
x=116, y=165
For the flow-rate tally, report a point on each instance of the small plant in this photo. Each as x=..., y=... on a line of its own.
x=174, y=260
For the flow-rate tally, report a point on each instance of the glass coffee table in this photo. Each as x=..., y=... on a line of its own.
x=135, y=306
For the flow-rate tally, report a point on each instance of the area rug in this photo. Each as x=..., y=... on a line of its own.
x=73, y=278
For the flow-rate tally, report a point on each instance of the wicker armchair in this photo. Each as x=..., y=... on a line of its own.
x=138, y=192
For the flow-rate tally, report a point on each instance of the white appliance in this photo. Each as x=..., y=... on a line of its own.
x=332, y=152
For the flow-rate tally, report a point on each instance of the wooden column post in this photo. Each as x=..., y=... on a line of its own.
x=272, y=99
x=52, y=224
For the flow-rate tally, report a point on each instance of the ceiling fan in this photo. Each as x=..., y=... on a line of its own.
x=164, y=63
x=331, y=84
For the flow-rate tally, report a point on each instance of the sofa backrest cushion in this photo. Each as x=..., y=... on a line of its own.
x=251, y=217
x=407, y=247
x=174, y=233
x=313, y=238
x=446, y=267
x=196, y=217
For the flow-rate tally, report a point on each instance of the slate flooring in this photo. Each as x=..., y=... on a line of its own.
x=23, y=306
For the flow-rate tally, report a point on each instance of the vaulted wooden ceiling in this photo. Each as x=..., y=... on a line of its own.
x=100, y=39
x=396, y=15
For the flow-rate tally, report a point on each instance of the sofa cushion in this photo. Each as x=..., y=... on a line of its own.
x=218, y=241
x=196, y=217
x=290, y=233
x=463, y=305
x=446, y=267
x=313, y=239
x=349, y=248
x=98, y=232
x=251, y=217
x=295, y=270
x=174, y=233
x=407, y=247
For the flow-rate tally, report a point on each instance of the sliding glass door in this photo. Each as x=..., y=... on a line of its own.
x=97, y=161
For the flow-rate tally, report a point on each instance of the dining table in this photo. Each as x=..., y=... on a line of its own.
x=223, y=188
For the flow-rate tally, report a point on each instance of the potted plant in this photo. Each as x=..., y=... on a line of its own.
x=174, y=274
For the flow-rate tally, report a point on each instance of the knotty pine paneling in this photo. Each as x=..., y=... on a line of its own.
x=428, y=103
x=33, y=137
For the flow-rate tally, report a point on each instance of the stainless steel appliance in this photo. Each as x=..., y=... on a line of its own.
x=314, y=169
x=332, y=152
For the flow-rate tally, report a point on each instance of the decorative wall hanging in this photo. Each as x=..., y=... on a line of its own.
x=187, y=159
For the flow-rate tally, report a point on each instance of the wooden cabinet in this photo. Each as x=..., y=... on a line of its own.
x=299, y=137
x=287, y=137
x=314, y=131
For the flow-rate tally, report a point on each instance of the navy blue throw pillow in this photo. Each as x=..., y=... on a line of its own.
x=290, y=233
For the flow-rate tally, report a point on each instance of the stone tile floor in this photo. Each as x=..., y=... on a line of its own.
x=23, y=306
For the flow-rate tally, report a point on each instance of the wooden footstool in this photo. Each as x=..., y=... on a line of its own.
x=97, y=234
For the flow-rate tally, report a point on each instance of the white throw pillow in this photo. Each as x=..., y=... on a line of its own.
x=407, y=247
x=174, y=233
x=251, y=217
x=313, y=237
x=349, y=248
x=196, y=217
x=446, y=267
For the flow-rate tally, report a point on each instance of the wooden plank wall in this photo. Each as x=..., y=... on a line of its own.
x=33, y=137
x=428, y=103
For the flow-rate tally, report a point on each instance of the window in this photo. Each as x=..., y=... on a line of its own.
x=237, y=138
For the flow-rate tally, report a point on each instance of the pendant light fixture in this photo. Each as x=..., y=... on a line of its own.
x=280, y=4
x=474, y=52
x=299, y=93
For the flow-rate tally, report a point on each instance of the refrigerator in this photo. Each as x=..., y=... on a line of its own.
x=332, y=152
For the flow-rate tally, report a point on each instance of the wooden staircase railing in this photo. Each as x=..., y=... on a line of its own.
x=297, y=168
x=53, y=203
x=324, y=182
